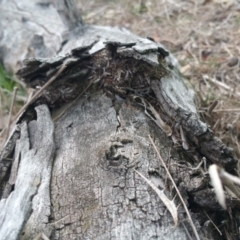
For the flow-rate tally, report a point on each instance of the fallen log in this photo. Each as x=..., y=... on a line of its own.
x=69, y=168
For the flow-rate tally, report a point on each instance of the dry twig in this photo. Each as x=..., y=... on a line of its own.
x=175, y=186
x=38, y=93
x=11, y=110
x=212, y=222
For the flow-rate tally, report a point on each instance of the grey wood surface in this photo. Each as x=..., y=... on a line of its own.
x=82, y=139
x=30, y=200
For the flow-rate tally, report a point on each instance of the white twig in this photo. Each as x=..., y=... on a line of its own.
x=217, y=185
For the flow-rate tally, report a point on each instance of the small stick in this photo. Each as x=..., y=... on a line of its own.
x=37, y=94
x=227, y=110
x=38, y=237
x=222, y=110
x=1, y=112
x=216, y=124
x=59, y=220
x=222, y=85
x=175, y=186
x=44, y=237
x=212, y=222
x=186, y=230
x=11, y=110
x=41, y=236
x=184, y=139
x=190, y=168
x=212, y=106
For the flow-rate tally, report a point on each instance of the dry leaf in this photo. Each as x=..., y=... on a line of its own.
x=168, y=203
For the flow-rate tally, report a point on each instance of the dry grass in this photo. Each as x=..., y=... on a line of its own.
x=205, y=38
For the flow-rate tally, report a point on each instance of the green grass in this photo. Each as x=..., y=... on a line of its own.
x=6, y=80
x=7, y=84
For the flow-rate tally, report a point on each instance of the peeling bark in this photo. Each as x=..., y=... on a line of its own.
x=81, y=140
x=30, y=200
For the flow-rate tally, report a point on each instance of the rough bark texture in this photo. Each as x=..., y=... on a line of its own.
x=28, y=29
x=30, y=199
x=115, y=90
x=99, y=197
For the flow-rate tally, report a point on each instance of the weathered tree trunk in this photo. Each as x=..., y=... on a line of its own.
x=75, y=148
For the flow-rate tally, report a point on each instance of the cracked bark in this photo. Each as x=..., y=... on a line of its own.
x=101, y=197
x=81, y=142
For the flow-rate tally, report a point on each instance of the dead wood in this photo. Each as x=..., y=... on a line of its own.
x=88, y=131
